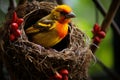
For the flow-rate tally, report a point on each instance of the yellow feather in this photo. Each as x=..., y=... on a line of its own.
x=54, y=31
x=31, y=30
x=45, y=25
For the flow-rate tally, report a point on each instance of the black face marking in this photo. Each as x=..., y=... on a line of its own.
x=63, y=13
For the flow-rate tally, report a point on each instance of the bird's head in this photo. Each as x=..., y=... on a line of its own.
x=62, y=13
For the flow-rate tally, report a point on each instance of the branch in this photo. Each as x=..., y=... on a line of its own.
x=107, y=20
x=21, y=2
x=59, y=1
x=113, y=75
x=53, y=1
x=110, y=16
x=103, y=12
x=12, y=5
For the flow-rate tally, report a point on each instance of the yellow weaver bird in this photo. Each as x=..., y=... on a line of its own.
x=52, y=28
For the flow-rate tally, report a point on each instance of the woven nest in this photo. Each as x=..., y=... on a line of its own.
x=26, y=60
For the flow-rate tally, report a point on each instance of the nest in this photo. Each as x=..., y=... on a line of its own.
x=26, y=60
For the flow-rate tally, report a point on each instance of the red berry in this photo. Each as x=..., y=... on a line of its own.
x=96, y=28
x=51, y=78
x=14, y=18
x=101, y=34
x=65, y=77
x=12, y=37
x=14, y=26
x=64, y=72
x=20, y=20
x=96, y=39
x=17, y=33
x=58, y=76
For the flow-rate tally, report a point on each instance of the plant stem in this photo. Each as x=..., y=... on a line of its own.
x=21, y=2
x=12, y=5
x=107, y=20
x=112, y=74
x=103, y=12
x=110, y=16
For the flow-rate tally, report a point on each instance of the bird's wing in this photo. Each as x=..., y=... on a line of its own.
x=40, y=26
x=44, y=25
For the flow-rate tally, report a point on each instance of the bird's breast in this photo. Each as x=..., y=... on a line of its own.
x=47, y=39
x=51, y=37
x=62, y=29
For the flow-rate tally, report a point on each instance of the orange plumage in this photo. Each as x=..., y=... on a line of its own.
x=64, y=8
x=52, y=28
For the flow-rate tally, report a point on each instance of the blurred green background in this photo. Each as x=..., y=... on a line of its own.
x=85, y=11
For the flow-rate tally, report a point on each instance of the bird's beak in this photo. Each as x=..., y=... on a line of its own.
x=70, y=15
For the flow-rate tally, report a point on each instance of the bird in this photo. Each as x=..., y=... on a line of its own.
x=51, y=29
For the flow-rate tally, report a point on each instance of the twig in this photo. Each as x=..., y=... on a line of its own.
x=108, y=19
x=21, y=2
x=110, y=16
x=59, y=1
x=53, y=1
x=105, y=24
x=103, y=12
x=112, y=74
x=12, y=5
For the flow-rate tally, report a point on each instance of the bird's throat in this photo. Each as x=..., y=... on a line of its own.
x=62, y=29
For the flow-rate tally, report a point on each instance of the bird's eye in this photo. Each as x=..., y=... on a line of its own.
x=63, y=13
